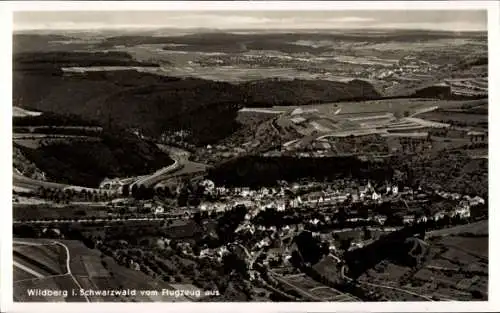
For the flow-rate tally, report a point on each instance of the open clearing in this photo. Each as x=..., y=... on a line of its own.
x=46, y=210
x=20, y=112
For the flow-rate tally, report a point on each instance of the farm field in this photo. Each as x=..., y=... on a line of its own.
x=21, y=274
x=92, y=272
x=456, y=268
x=44, y=258
x=457, y=118
x=26, y=182
x=40, y=211
x=316, y=289
x=302, y=128
x=377, y=107
x=441, y=143
x=477, y=228
x=104, y=273
x=50, y=283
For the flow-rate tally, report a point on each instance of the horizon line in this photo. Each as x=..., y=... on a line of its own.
x=229, y=30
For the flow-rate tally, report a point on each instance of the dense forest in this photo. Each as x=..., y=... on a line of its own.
x=58, y=59
x=52, y=119
x=87, y=163
x=266, y=171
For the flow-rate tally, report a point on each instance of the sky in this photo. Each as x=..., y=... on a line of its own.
x=447, y=20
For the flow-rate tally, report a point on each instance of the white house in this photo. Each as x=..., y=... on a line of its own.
x=159, y=210
x=221, y=190
x=314, y=221
x=368, y=188
x=208, y=185
x=280, y=206
x=463, y=212
x=222, y=251
x=294, y=203
x=245, y=192
x=245, y=227
x=362, y=195
x=439, y=215
x=375, y=196
x=422, y=219
x=408, y=219
x=108, y=183
x=380, y=219
x=477, y=200
x=395, y=190
x=205, y=253
x=281, y=192
x=387, y=190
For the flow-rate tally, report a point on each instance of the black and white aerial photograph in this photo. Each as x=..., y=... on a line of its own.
x=250, y=156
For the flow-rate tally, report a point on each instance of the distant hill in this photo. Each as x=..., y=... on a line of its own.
x=283, y=41
x=155, y=104
x=36, y=42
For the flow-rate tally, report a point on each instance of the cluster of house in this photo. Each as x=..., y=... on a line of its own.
x=355, y=195
x=229, y=151
x=274, y=198
x=217, y=253
x=242, y=192
x=256, y=200
x=472, y=201
x=406, y=65
x=461, y=210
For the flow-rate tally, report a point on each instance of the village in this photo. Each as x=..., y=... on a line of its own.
x=317, y=204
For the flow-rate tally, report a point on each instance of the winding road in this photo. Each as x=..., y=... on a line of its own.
x=156, y=176
x=181, y=160
x=68, y=267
